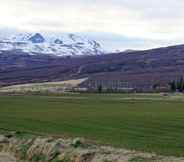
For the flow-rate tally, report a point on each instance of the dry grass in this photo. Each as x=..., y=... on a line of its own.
x=46, y=86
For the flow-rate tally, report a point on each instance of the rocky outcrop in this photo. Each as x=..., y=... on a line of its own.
x=48, y=149
x=37, y=38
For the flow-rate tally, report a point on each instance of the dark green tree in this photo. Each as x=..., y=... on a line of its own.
x=173, y=86
x=156, y=85
x=100, y=89
x=177, y=85
x=180, y=84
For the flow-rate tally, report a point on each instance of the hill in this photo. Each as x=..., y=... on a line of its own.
x=140, y=70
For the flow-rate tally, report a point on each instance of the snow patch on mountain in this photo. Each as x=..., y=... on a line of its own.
x=62, y=45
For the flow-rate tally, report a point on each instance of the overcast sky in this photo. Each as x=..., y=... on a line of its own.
x=120, y=24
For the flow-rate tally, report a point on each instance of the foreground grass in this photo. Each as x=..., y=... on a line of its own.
x=144, y=122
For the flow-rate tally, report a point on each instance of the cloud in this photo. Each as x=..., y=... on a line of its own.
x=143, y=19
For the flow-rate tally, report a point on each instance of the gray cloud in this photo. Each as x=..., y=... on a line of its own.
x=143, y=19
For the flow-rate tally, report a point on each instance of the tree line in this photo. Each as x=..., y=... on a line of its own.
x=177, y=85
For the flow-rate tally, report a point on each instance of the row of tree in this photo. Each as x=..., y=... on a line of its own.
x=177, y=85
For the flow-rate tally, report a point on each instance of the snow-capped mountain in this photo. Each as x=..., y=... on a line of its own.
x=64, y=45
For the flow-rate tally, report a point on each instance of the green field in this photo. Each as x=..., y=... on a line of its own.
x=152, y=123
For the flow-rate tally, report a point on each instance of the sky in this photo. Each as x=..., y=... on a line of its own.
x=116, y=24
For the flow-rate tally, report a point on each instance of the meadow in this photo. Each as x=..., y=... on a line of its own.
x=145, y=122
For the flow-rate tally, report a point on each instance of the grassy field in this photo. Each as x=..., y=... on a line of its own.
x=152, y=123
x=42, y=87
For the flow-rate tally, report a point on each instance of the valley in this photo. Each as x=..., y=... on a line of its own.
x=118, y=100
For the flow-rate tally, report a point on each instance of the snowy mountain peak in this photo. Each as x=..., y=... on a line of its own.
x=58, y=41
x=60, y=45
x=37, y=38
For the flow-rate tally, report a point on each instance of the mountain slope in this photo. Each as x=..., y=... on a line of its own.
x=64, y=45
x=140, y=69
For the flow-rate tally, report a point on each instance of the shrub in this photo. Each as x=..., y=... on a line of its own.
x=76, y=142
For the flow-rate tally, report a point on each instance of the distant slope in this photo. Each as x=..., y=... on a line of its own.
x=141, y=69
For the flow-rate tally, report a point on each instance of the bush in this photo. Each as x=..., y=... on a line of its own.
x=76, y=142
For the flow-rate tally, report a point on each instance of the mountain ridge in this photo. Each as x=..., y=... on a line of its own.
x=62, y=45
